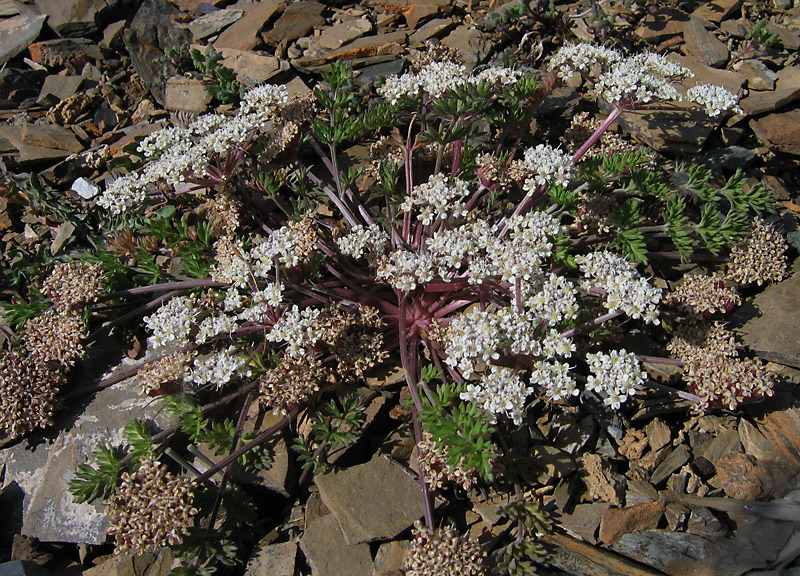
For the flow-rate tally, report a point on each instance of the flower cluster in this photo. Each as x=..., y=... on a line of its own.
x=704, y=295
x=179, y=154
x=151, y=508
x=164, y=375
x=615, y=376
x=543, y=165
x=499, y=391
x=433, y=460
x=74, y=284
x=218, y=368
x=760, y=258
x=27, y=395
x=55, y=337
x=436, y=552
x=620, y=283
x=173, y=322
x=439, y=198
x=715, y=99
x=364, y=241
x=433, y=79
x=714, y=371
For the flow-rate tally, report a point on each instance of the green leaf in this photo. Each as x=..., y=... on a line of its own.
x=92, y=483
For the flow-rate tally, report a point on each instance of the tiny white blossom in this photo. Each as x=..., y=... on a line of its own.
x=715, y=99
x=555, y=379
x=545, y=165
x=172, y=322
x=500, y=391
x=615, y=376
x=218, y=369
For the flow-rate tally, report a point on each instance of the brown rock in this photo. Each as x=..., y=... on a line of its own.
x=188, y=94
x=726, y=442
x=602, y=483
x=703, y=45
x=658, y=434
x=389, y=558
x=717, y=11
x=382, y=44
x=336, y=36
x=329, y=554
x=373, y=501
x=789, y=39
x=759, y=77
x=434, y=29
x=252, y=67
x=50, y=136
x=741, y=477
x=767, y=325
x=677, y=458
x=619, y=521
x=576, y=557
x=297, y=20
x=760, y=102
x=213, y=22
x=74, y=18
x=473, y=45
x=17, y=33
x=728, y=79
x=59, y=53
x=112, y=36
x=585, y=519
x=57, y=88
x=243, y=34
x=667, y=22
x=414, y=11
x=272, y=560
x=682, y=129
x=788, y=77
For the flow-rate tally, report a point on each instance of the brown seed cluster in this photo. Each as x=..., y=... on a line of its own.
x=27, y=395
x=760, y=258
x=162, y=376
x=151, y=508
x=55, y=337
x=433, y=459
x=73, y=285
x=291, y=382
x=439, y=552
x=583, y=126
x=596, y=212
x=353, y=337
x=704, y=295
x=714, y=371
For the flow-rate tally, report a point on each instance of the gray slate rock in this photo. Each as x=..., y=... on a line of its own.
x=703, y=45
x=373, y=501
x=75, y=18
x=17, y=33
x=23, y=568
x=213, y=22
x=768, y=325
x=43, y=466
x=57, y=88
x=328, y=552
x=152, y=32
x=273, y=560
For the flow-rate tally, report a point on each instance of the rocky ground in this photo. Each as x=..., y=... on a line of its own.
x=654, y=491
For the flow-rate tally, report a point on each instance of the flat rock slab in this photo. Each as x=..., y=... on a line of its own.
x=760, y=102
x=297, y=20
x=273, y=560
x=50, y=136
x=243, y=34
x=328, y=552
x=683, y=129
x=781, y=133
x=43, y=470
x=74, y=18
x=18, y=33
x=703, y=45
x=212, y=23
x=58, y=53
x=768, y=325
x=373, y=501
x=252, y=67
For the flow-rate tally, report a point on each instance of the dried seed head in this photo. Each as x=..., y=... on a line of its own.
x=704, y=295
x=27, y=395
x=74, y=284
x=292, y=381
x=433, y=459
x=437, y=552
x=55, y=336
x=151, y=508
x=760, y=258
x=165, y=375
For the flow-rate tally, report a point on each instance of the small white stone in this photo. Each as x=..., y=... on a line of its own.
x=86, y=189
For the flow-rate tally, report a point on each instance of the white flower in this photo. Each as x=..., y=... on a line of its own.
x=715, y=99
x=555, y=379
x=500, y=391
x=440, y=197
x=213, y=326
x=298, y=329
x=473, y=338
x=218, y=369
x=546, y=164
x=371, y=240
x=433, y=79
x=623, y=287
x=172, y=322
x=615, y=376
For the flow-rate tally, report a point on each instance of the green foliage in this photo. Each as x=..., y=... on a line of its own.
x=629, y=237
x=462, y=428
x=19, y=311
x=139, y=438
x=760, y=36
x=338, y=98
x=222, y=82
x=519, y=558
x=335, y=427
x=91, y=483
x=678, y=226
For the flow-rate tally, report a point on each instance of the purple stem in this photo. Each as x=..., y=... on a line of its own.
x=597, y=134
